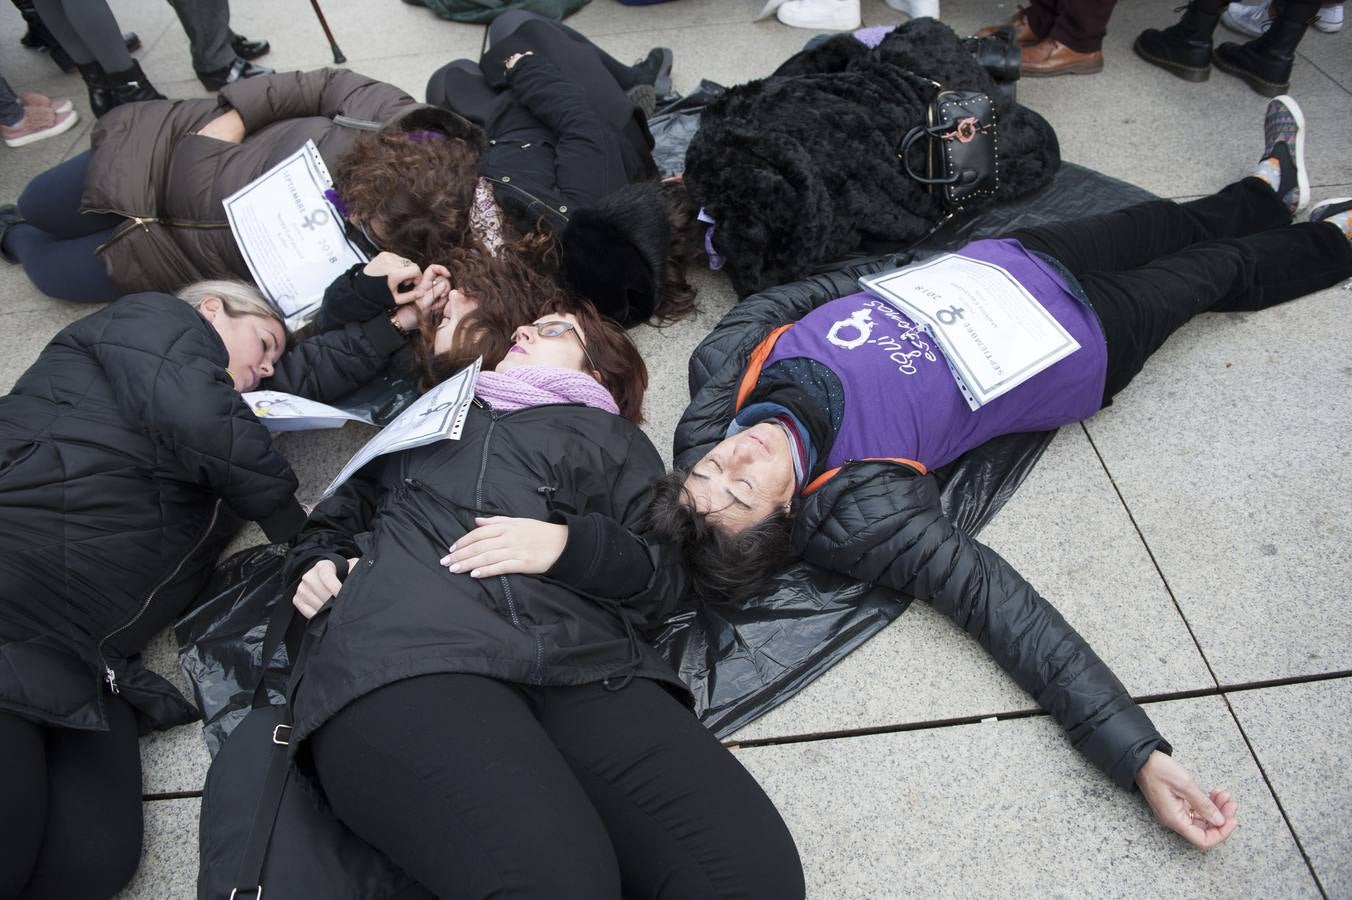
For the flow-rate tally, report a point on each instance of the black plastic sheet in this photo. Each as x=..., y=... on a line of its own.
x=740, y=661
x=220, y=640
x=674, y=124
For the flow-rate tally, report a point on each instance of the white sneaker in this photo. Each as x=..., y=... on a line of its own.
x=1330, y=19
x=918, y=9
x=822, y=15
x=1250, y=21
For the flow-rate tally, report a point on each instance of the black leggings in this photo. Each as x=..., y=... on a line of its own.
x=87, y=30
x=477, y=787
x=1149, y=268
x=56, y=242
x=71, y=802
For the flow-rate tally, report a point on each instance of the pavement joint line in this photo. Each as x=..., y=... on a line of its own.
x=1281, y=808
x=1207, y=662
x=1014, y=715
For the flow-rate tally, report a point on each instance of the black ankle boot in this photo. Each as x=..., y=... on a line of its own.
x=1265, y=62
x=101, y=97
x=131, y=86
x=1183, y=48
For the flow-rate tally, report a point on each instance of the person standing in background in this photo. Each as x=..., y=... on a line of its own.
x=219, y=56
x=1060, y=37
x=89, y=33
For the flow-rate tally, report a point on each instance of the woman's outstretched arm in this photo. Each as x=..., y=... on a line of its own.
x=883, y=524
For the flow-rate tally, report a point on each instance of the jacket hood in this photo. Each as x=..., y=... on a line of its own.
x=433, y=118
x=615, y=253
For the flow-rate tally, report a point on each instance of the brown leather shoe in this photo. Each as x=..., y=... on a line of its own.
x=1023, y=34
x=1051, y=57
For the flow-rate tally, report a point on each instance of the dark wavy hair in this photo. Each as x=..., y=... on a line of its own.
x=686, y=245
x=516, y=288
x=723, y=567
x=420, y=190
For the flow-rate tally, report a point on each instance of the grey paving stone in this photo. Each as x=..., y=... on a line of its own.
x=1302, y=736
x=176, y=759
x=1067, y=533
x=24, y=334
x=169, y=852
x=1329, y=52
x=1007, y=809
x=1230, y=451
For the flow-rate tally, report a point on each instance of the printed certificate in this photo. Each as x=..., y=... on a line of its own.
x=994, y=333
x=438, y=415
x=292, y=238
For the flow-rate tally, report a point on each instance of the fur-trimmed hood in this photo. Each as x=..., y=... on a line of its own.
x=800, y=168
x=615, y=252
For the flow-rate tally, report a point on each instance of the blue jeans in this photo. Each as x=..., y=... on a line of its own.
x=56, y=242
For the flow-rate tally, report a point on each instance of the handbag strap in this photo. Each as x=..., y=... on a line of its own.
x=249, y=881
x=278, y=625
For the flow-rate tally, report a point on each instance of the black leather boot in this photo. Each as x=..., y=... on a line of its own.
x=1183, y=48
x=131, y=86
x=101, y=97
x=1265, y=62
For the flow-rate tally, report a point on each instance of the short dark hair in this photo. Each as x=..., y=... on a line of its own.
x=723, y=567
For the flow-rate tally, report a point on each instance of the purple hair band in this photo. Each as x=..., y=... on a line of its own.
x=332, y=196
x=422, y=135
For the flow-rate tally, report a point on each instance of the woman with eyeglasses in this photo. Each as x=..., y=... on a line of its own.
x=496, y=733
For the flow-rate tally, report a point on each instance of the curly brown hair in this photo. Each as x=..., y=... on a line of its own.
x=420, y=191
x=516, y=288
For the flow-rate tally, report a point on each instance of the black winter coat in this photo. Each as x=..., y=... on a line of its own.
x=549, y=151
x=882, y=523
x=125, y=457
x=400, y=614
x=801, y=168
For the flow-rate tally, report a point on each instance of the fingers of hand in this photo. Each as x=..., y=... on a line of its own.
x=406, y=274
x=492, y=558
x=1202, y=807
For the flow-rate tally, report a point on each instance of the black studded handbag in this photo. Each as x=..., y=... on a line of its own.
x=961, y=146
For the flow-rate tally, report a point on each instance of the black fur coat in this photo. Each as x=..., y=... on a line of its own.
x=800, y=168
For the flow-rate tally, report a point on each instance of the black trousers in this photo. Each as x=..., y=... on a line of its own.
x=1149, y=268
x=479, y=788
x=56, y=242
x=71, y=802
x=1079, y=24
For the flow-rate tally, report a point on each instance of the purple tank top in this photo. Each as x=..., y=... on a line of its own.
x=900, y=397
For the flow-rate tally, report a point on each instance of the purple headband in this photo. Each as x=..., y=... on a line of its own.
x=332, y=196
x=422, y=135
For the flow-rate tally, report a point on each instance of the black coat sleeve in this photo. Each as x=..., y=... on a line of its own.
x=883, y=524
x=353, y=297
x=332, y=530
x=589, y=162
x=332, y=363
x=166, y=367
x=606, y=558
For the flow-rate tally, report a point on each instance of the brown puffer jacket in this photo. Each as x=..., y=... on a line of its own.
x=149, y=165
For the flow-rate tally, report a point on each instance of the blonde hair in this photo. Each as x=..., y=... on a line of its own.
x=238, y=298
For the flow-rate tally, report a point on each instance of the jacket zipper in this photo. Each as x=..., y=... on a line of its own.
x=145, y=222
x=108, y=673
x=479, y=504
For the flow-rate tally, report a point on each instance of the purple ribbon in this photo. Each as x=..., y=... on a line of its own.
x=716, y=259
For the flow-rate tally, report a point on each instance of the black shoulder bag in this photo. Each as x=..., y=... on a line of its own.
x=265, y=828
x=962, y=149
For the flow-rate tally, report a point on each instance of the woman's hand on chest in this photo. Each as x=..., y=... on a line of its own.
x=503, y=545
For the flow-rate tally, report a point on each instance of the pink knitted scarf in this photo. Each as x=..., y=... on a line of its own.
x=537, y=385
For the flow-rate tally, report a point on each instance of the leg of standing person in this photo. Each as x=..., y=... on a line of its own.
x=214, y=47
x=89, y=32
x=30, y=118
x=452, y=777
x=11, y=108
x=207, y=24
x=1073, y=41
x=685, y=818
x=90, y=840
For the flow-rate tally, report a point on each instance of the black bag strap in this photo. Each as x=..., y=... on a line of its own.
x=249, y=881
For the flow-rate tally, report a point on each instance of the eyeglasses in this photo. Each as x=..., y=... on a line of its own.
x=554, y=328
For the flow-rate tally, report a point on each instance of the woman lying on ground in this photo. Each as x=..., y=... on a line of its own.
x=142, y=210
x=127, y=460
x=510, y=733
x=824, y=451
x=569, y=153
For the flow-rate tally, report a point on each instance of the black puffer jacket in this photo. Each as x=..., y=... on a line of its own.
x=401, y=615
x=801, y=168
x=125, y=457
x=882, y=523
